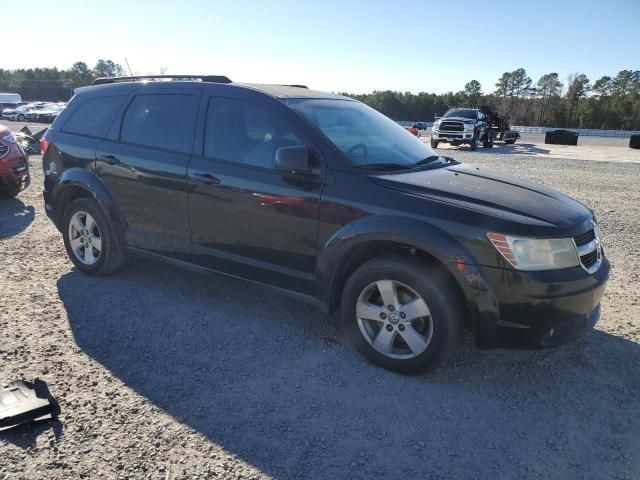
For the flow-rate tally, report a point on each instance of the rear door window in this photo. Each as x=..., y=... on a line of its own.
x=94, y=117
x=164, y=121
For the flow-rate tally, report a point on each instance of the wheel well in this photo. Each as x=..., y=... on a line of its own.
x=68, y=195
x=371, y=250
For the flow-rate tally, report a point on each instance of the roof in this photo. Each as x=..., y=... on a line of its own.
x=124, y=84
x=286, y=91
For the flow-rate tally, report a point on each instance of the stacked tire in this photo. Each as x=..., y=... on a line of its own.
x=561, y=137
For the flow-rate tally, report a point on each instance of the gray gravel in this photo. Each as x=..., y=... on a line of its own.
x=163, y=373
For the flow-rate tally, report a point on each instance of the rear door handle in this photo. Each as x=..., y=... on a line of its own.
x=110, y=159
x=206, y=177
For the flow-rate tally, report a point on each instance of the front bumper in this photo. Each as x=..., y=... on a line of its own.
x=540, y=309
x=14, y=170
x=444, y=136
x=11, y=182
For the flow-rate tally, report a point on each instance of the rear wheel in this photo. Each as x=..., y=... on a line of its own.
x=488, y=143
x=89, y=238
x=21, y=117
x=401, y=313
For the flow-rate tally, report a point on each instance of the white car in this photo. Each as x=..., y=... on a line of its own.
x=19, y=113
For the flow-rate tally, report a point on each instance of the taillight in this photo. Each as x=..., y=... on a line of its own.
x=44, y=144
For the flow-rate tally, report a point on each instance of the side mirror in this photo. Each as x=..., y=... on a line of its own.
x=295, y=160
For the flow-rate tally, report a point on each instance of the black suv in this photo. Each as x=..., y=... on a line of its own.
x=323, y=197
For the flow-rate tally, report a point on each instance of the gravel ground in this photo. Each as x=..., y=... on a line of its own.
x=163, y=373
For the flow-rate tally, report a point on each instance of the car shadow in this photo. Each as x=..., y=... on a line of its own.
x=15, y=216
x=273, y=382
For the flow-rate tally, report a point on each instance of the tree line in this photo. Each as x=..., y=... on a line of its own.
x=608, y=103
x=51, y=84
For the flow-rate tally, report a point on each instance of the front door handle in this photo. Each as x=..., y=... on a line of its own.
x=110, y=159
x=207, y=178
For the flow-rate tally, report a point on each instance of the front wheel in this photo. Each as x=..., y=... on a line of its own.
x=11, y=191
x=401, y=313
x=89, y=238
x=434, y=143
x=21, y=118
x=475, y=143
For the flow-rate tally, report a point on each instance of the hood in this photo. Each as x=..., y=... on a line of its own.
x=492, y=193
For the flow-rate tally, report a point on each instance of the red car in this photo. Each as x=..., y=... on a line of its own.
x=14, y=168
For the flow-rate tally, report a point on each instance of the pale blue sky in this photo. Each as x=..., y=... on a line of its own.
x=331, y=45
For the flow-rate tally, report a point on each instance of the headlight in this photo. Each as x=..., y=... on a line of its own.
x=9, y=137
x=436, y=125
x=534, y=254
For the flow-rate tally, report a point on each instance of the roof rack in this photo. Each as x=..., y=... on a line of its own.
x=135, y=78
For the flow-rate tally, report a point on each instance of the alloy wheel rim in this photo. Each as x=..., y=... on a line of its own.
x=85, y=238
x=394, y=319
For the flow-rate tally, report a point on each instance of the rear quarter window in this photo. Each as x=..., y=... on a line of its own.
x=165, y=121
x=94, y=116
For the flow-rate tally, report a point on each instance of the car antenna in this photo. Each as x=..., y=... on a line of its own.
x=127, y=62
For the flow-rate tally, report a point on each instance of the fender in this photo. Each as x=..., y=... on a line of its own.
x=431, y=239
x=89, y=181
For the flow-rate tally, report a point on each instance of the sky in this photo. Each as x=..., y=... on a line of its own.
x=332, y=45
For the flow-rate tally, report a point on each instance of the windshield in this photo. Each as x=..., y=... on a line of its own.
x=470, y=114
x=364, y=135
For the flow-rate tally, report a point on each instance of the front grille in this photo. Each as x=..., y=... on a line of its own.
x=452, y=126
x=585, y=238
x=589, y=250
x=590, y=259
x=4, y=149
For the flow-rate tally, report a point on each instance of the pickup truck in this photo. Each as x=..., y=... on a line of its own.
x=471, y=126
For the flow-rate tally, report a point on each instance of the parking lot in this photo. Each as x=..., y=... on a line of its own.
x=165, y=373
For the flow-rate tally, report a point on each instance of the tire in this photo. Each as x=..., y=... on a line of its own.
x=21, y=118
x=434, y=143
x=105, y=252
x=488, y=144
x=438, y=331
x=11, y=191
x=509, y=142
x=475, y=143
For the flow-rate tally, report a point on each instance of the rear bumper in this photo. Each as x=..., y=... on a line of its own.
x=541, y=309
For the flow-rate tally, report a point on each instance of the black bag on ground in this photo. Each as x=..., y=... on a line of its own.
x=634, y=141
x=561, y=137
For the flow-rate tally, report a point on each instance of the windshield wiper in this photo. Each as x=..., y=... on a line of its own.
x=430, y=159
x=434, y=158
x=383, y=166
